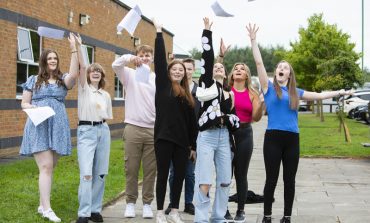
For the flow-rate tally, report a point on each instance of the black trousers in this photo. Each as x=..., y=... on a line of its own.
x=243, y=152
x=165, y=152
x=280, y=146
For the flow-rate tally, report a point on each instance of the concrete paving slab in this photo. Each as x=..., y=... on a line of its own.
x=327, y=191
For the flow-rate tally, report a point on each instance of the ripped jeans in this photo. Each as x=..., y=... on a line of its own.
x=213, y=152
x=93, y=148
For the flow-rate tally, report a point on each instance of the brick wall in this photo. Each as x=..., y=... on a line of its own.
x=105, y=15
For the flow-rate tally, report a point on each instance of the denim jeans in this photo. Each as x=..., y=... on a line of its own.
x=93, y=148
x=189, y=181
x=213, y=151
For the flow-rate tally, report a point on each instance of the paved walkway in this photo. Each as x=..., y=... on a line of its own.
x=327, y=191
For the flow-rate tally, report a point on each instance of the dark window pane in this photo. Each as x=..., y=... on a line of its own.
x=21, y=76
x=90, y=54
x=33, y=70
x=35, y=40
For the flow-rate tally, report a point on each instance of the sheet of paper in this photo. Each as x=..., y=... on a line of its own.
x=50, y=33
x=219, y=11
x=142, y=73
x=39, y=114
x=130, y=21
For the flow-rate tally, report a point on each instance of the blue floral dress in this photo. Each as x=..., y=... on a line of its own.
x=54, y=133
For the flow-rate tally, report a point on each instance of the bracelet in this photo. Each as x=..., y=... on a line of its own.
x=220, y=56
x=74, y=51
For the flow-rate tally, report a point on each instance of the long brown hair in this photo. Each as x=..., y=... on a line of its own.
x=182, y=89
x=43, y=74
x=98, y=68
x=247, y=82
x=292, y=87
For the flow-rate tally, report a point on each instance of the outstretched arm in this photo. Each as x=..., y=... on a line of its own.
x=262, y=74
x=310, y=96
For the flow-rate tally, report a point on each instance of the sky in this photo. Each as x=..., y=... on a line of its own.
x=279, y=20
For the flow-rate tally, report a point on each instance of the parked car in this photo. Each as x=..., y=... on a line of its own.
x=352, y=101
x=355, y=113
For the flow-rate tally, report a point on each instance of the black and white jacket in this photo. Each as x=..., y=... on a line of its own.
x=217, y=111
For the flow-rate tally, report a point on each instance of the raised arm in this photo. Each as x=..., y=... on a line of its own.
x=160, y=62
x=262, y=74
x=223, y=51
x=207, y=55
x=310, y=96
x=81, y=61
x=70, y=79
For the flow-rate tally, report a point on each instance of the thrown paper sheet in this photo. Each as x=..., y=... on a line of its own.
x=142, y=73
x=39, y=114
x=130, y=21
x=219, y=11
x=50, y=33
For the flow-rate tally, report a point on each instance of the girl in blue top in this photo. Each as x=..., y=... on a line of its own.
x=282, y=135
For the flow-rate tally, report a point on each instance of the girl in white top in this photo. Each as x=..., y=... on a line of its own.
x=93, y=140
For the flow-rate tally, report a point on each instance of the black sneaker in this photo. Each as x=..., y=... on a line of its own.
x=285, y=220
x=228, y=217
x=266, y=220
x=96, y=217
x=82, y=220
x=189, y=208
x=168, y=210
x=239, y=217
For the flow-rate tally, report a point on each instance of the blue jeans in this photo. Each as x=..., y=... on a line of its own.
x=93, y=148
x=213, y=150
x=189, y=182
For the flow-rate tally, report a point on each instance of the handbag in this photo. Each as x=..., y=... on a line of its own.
x=206, y=94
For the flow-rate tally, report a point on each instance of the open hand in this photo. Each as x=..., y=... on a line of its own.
x=207, y=23
x=252, y=31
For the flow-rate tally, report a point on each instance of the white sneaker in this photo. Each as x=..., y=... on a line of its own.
x=147, y=211
x=49, y=214
x=160, y=218
x=174, y=217
x=40, y=209
x=130, y=210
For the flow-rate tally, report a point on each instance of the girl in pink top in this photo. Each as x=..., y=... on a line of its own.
x=249, y=109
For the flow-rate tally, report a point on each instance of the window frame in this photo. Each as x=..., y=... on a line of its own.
x=26, y=62
x=119, y=83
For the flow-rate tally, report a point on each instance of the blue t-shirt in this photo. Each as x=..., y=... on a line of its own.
x=280, y=115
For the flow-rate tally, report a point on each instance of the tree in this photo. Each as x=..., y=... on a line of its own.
x=324, y=59
x=195, y=53
x=322, y=46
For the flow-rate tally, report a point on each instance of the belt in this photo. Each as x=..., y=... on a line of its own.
x=244, y=125
x=90, y=123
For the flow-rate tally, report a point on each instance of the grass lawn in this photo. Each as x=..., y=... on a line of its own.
x=322, y=139
x=19, y=187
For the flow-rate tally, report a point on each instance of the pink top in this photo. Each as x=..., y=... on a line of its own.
x=243, y=105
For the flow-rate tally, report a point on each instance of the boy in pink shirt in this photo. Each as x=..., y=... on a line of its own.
x=139, y=129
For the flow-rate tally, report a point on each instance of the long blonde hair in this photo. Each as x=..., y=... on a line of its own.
x=247, y=82
x=292, y=87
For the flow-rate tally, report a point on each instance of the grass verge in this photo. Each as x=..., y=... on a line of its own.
x=322, y=139
x=19, y=187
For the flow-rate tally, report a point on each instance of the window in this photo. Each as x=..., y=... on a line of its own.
x=87, y=54
x=118, y=87
x=29, y=46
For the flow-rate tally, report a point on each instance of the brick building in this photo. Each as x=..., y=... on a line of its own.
x=19, y=20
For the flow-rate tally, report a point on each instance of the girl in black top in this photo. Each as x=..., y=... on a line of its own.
x=213, y=145
x=175, y=126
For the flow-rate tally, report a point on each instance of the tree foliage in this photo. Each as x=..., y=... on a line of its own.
x=244, y=55
x=323, y=58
